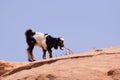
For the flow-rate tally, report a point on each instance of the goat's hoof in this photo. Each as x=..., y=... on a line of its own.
x=44, y=57
x=34, y=60
x=31, y=60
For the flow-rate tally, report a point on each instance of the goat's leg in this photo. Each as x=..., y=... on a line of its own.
x=30, y=54
x=50, y=53
x=44, y=53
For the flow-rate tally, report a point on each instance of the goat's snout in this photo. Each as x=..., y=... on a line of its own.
x=61, y=46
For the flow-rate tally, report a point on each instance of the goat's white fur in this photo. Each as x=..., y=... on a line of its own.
x=40, y=39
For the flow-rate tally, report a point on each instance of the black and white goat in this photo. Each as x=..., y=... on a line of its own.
x=45, y=41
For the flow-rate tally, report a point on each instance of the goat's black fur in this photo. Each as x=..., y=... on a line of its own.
x=50, y=41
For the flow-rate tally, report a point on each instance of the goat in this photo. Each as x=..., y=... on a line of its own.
x=45, y=41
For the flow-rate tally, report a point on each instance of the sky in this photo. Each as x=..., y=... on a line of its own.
x=84, y=24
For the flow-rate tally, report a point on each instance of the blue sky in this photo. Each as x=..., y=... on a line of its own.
x=84, y=24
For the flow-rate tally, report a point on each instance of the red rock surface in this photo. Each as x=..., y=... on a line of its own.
x=97, y=64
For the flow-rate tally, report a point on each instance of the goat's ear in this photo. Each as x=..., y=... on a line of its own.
x=59, y=38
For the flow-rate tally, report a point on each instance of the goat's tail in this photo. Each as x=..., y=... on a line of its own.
x=28, y=32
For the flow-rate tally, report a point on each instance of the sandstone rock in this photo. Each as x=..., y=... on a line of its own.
x=97, y=64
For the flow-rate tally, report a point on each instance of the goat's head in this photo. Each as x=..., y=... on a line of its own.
x=61, y=43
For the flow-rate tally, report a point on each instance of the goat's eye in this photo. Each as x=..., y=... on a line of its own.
x=61, y=41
